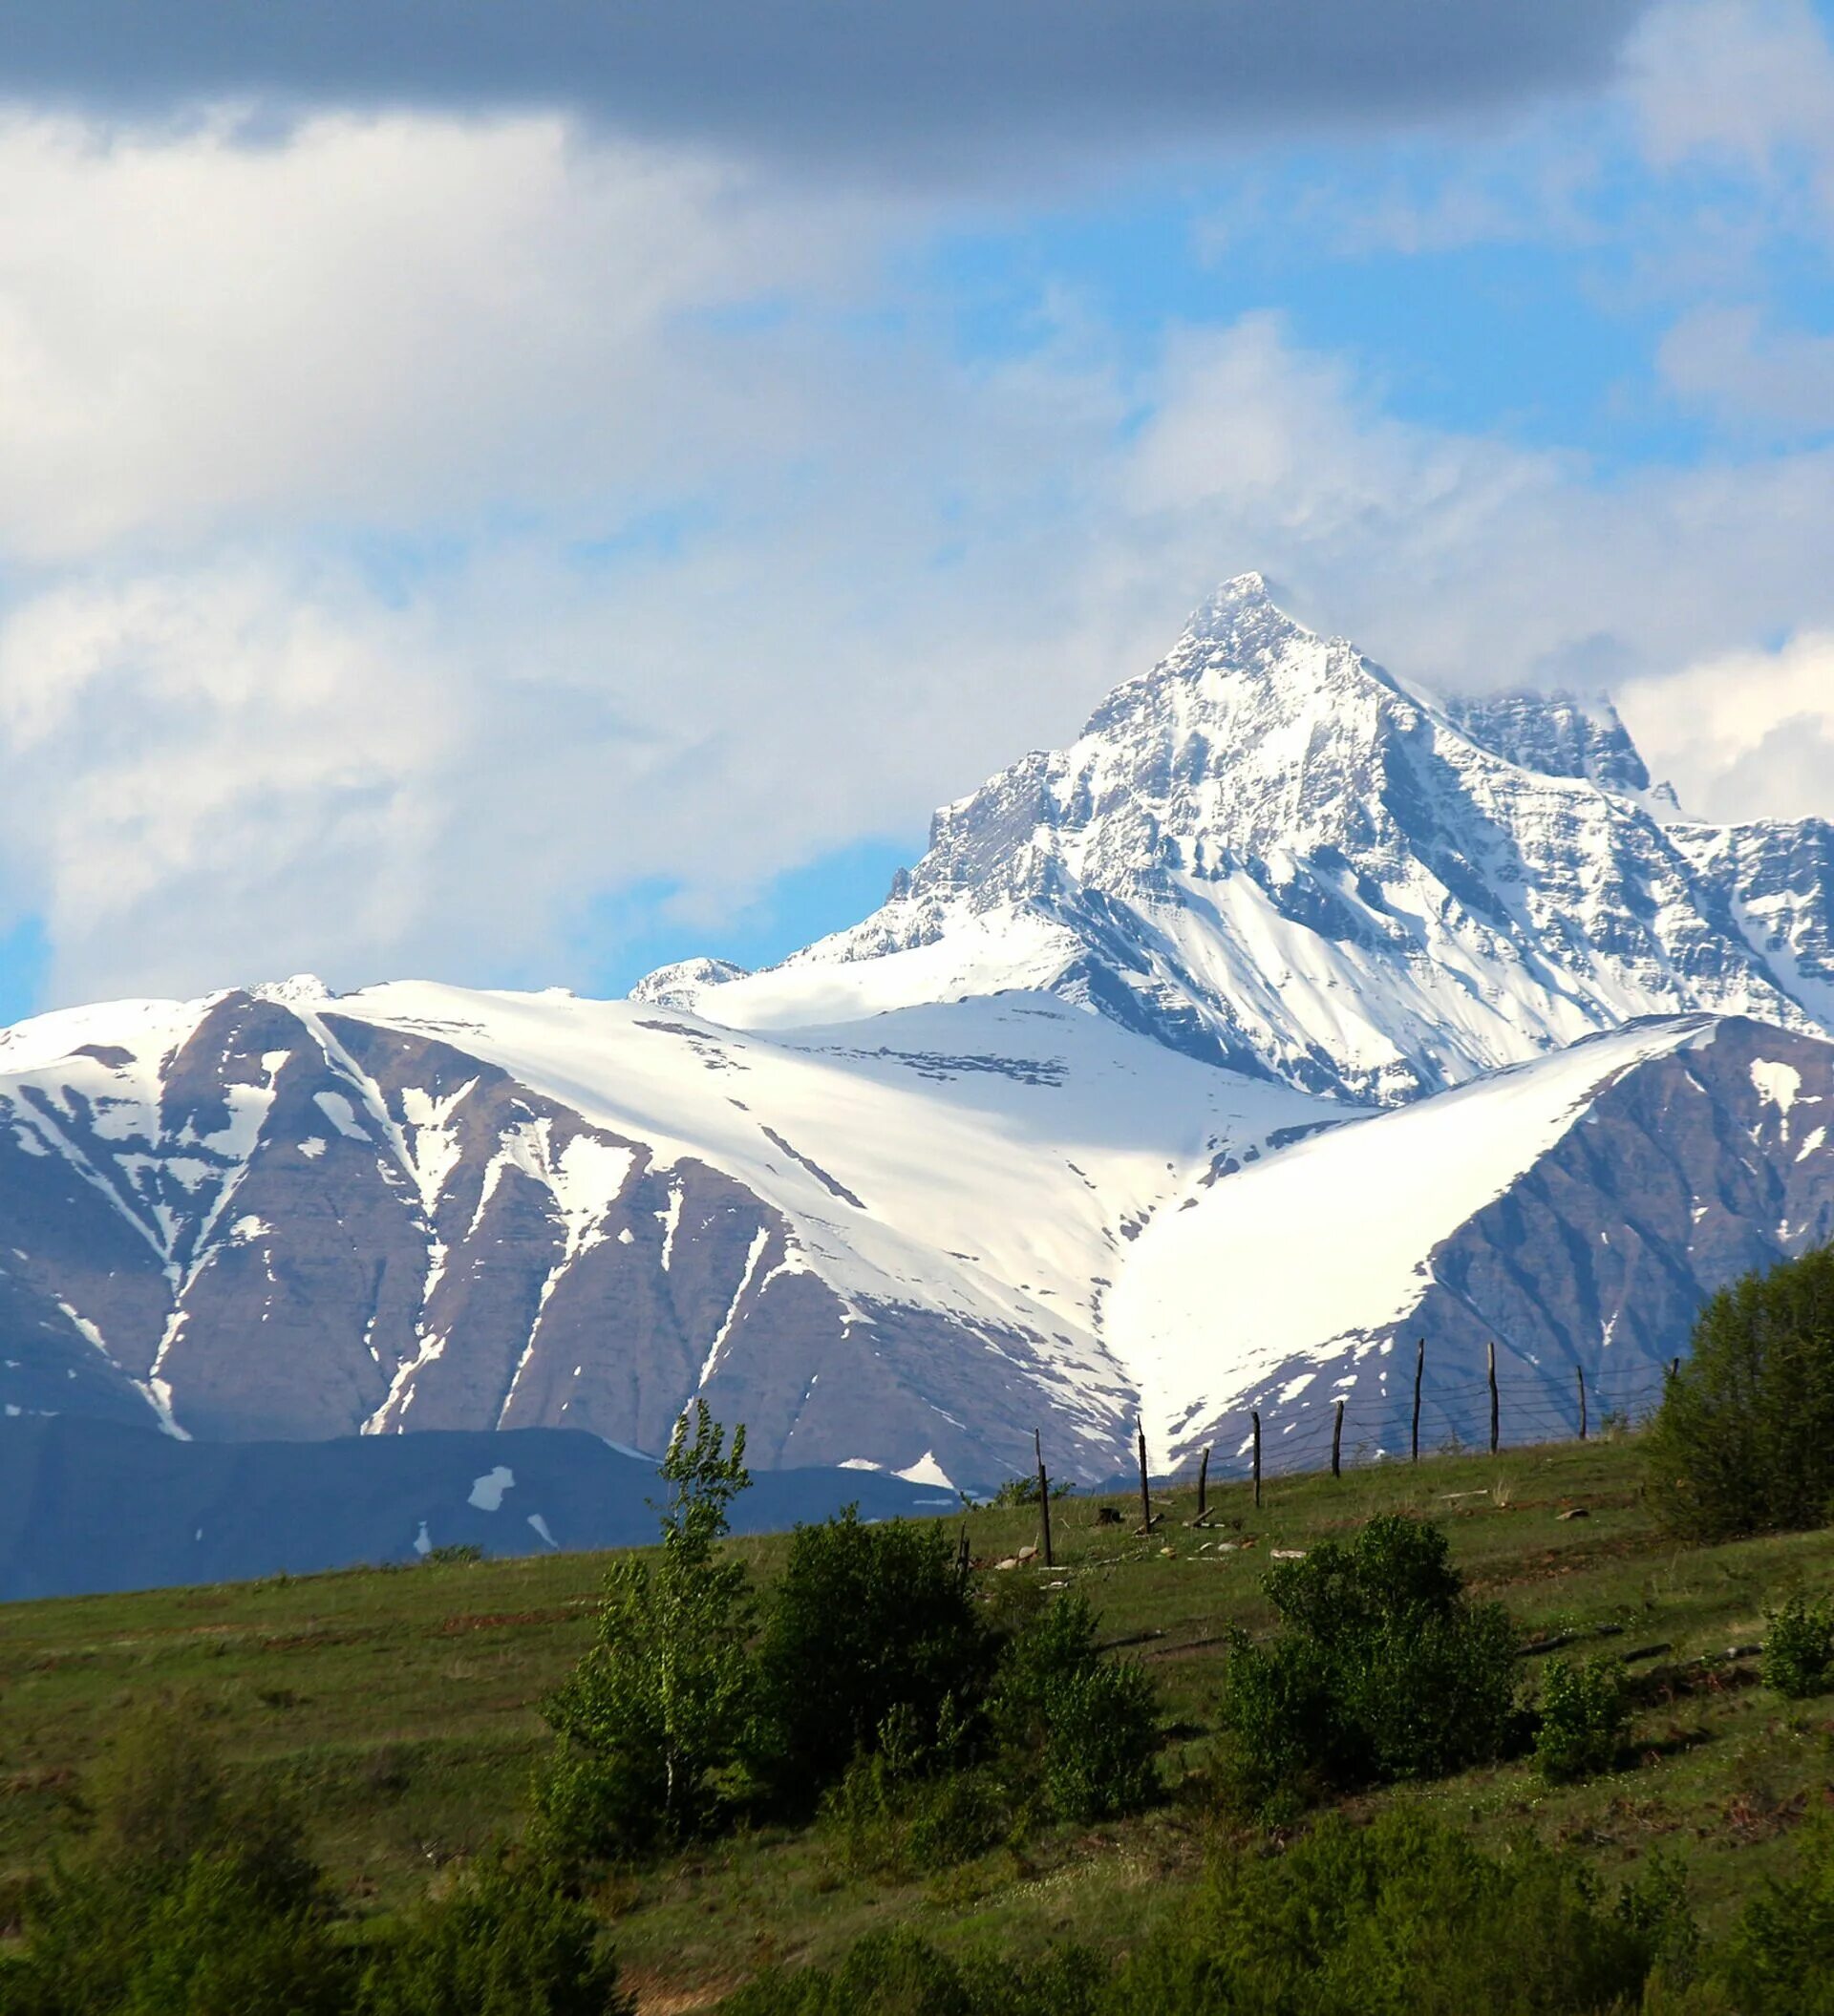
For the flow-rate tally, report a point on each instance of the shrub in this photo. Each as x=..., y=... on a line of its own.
x=1585, y=1712
x=652, y=1716
x=899, y=1973
x=1799, y=1650
x=1778, y=1960
x=1385, y=1670
x=1024, y=1491
x=457, y=1554
x=1099, y=1741
x=1744, y=1439
x=159, y=1796
x=1404, y=1918
x=191, y=1898
x=866, y=1623
x=908, y=1804
x=502, y=1943
x=1087, y=1728
x=882, y=1824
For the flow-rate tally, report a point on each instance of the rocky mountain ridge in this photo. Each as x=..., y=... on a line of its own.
x=1272, y=854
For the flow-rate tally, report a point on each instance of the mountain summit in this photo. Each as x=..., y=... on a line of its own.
x=1270, y=853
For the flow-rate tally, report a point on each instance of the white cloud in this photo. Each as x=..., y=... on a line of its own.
x=1463, y=559
x=1751, y=378
x=321, y=648
x=1747, y=735
x=1745, y=83
x=390, y=317
x=199, y=766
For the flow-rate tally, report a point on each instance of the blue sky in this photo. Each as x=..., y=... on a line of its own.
x=522, y=520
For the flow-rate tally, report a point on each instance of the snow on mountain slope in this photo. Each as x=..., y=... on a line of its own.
x=284, y=1213
x=1270, y=853
x=901, y=1242
x=896, y=1146
x=1392, y=1188
x=1077, y=1124
x=1575, y=1211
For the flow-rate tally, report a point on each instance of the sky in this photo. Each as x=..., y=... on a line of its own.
x=519, y=495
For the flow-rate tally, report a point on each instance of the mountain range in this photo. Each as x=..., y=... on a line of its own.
x=1286, y=1016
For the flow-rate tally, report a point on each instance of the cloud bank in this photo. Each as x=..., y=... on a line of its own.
x=880, y=88
x=422, y=522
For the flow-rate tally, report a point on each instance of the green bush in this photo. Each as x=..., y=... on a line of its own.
x=1744, y=1439
x=1015, y=1492
x=1385, y=1670
x=1404, y=1918
x=1084, y=1727
x=1100, y=1740
x=908, y=1805
x=1585, y=1712
x=650, y=1721
x=1799, y=1650
x=867, y=1623
x=1778, y=1960
x=883, y=1826
x=502, y=1942
x=899, y=1973
x=191, y=1900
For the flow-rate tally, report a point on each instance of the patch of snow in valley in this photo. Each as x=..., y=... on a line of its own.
x=487, y=1491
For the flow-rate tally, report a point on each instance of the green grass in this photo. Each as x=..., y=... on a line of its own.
x=402, y=1704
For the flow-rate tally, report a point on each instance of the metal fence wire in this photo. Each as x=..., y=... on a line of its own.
x=1319, y=1431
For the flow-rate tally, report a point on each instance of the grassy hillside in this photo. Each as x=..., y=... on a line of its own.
x=402, y=1704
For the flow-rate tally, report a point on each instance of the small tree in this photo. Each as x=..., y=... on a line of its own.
x=654, y=1713
x=868, y=1623
x=1744, y=1441
x=1087, y=1725
x=1585, y=1713
x=1386, y=1669
x=1799, y=1650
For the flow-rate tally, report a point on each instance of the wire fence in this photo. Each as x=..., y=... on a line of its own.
x=1326, y=1433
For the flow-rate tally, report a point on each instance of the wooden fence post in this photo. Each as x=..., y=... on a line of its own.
x=1044, y=1495
x=1338, y=1441
x=1582, y=1402
x=1420, y=1369
x=1145, y=1499
x=1491, y=1353
x=1202, y=1483
x=1256, y=1415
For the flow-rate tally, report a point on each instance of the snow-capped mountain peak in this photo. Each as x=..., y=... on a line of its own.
x=1268, y=852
